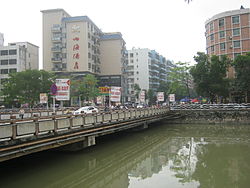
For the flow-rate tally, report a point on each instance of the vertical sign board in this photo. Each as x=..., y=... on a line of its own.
x=142, y=96
x=160, y=96
x=115, y=94
x=63, y=89
x=43, y=98
x=171, y=97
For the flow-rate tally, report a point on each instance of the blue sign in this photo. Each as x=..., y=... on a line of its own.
x=53, y=89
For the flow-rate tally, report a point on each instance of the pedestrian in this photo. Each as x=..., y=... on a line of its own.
x=21, y=113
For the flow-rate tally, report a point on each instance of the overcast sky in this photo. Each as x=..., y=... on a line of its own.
x=173, y=28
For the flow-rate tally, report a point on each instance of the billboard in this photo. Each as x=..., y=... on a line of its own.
x=43, y=98
x=171, y=97
x=63, y=89
x=115, y=94
x=142, y=96
x=160, y=96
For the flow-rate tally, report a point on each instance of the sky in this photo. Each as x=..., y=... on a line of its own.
x=173, y=28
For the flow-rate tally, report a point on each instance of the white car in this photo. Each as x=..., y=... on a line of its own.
x=86, y=110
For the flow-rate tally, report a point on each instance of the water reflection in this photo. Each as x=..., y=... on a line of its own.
x=163, y=156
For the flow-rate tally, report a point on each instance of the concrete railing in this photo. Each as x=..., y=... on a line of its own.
x=35, y=127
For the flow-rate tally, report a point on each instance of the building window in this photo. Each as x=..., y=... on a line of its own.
x=221, y=22
x=12, y=61
x=12, y=70
x=12, y=52
x=235, y=19
x=4, y=71
x=222, y=46
x=211, y=26
x=131, y=61
x=4, y=52
x=236, y=32
x=236, y=44
x=222, y=34
x=212, y=48
x=212, y=37
x=4, y=62
x=131, y=55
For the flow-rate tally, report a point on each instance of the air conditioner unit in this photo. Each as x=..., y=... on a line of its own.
x=230, y=37
x=231, y=46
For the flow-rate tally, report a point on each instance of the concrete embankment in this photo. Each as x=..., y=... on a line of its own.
x=213, y=117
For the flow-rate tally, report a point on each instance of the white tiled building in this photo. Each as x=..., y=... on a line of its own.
x=17, y=57
x=146, y=68
x=1, y=39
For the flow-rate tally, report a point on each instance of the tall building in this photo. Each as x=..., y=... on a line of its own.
x=76, y=46
x=113, y=62
x=17, y=57
x=1, y=39
x=147, y=68
x=228, y=33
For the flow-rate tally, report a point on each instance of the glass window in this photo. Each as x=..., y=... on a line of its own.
x=131, y=55
x=236, y=54
x=221, y=22
x=4, y=71
x=236, y=32
x=212, y=37
x=236, y=19
x=222, y=34
x=12, y=61
x=12, y=52
x=236, y=44
x=4, y=62
x=4, y=52
x=222, y=46
x=212, y=48
x=211, y=26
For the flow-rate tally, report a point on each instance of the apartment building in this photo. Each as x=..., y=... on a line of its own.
x=17, y=57
x=228, y=33
x=147, y=68
x=113, y=62
x=1, y=39
x=76, y=46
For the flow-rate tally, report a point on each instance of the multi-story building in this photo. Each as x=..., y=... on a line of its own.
x=228, y=33
x=1, y=39
x=146, y=68
x=76, y=46
x=113, y=62
x=17, y=57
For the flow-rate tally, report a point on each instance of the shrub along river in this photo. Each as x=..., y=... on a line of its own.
x=162, y=156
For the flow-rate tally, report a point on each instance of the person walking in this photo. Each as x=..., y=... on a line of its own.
x=21, y=113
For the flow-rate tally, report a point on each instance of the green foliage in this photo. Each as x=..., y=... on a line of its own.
x=242, y=69
x=87, y=88
x=179, y=80
x=210, y=75
x=151, y=97
x=26, y=86
x=137, y=90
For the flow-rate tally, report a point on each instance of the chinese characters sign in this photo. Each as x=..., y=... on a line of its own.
x=115, y=94
x=76, y=46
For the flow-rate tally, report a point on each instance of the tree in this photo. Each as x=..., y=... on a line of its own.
x=179, y=80
x=26, y=86
x=88, y=87
x=242, y=69
x=151, y=97
x=209, y=76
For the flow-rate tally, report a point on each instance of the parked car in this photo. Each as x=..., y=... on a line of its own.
x=86, y=110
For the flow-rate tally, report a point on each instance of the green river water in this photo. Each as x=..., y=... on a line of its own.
x=160, y=157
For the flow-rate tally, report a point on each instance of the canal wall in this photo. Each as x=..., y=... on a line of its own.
x=212, y=117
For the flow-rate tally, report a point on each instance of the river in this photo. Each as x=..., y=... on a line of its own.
x=162, y=156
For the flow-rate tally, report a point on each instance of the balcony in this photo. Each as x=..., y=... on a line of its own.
x=56, y=59
x=56, y=39
x=56, y=49
x=56, y=28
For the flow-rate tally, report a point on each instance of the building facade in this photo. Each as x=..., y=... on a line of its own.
x=17, y=57
x=75, y=46
x=147, y=68
x=228, y=33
